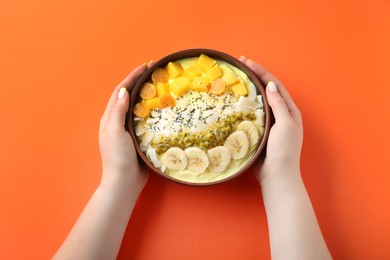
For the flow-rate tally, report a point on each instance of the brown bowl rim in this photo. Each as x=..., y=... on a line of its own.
x=190, y=53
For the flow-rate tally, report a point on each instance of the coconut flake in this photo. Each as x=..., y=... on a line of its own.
x=146, y=139
x=259, y=117
x=244, y=104
x=252, y=91
x=259, y=99
x=152, y=155
x=139, y=130
x=151, y=120
x=200, y=126
x=196, y=114
x=211, y=119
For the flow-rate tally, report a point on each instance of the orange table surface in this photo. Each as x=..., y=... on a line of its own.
x=60, y=60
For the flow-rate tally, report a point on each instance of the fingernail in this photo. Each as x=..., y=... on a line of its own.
x=122, y=93
x=151, y=61
x=145, y=64
x=242, y=57
x=272, y=87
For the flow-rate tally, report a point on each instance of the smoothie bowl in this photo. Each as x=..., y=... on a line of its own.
x=199, y=117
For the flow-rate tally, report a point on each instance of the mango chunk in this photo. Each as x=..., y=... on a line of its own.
x=214, y=72
x=180, y=86
x=200, y=83
x=152, y=103
x=240, y=89
x=192, y=72
x=225, y=69
x=174, y=69
x=162, y=88
x=229, y=79
x=166, y=100
x=204, y=63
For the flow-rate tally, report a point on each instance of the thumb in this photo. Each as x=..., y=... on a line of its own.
x=118, y=112
x=276, y=102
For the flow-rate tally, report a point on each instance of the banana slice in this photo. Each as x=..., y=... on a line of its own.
x=197, y=159
x=251, y=132
x=175, y=159
x=219, y=158
x=238, y=144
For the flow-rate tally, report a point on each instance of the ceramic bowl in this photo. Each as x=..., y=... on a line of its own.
x=192, y=53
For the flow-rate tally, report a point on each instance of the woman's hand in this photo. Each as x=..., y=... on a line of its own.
x=99, y=231
x=119, y=158
x=293, y=229
x=286, y=135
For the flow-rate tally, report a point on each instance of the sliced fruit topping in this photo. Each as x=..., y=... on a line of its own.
x=160, y=75
x=148, y=91
x=238, y=144
x=197, y=159
x=251, y=132
x=141, y=109
x=175, y=159
x=217, y=87
x=219, y=158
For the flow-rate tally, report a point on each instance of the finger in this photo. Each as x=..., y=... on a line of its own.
x=243, y=59
x=150, y=63
x=277, y=103
x=266, y=77
x=117, y=116
x=127, y=83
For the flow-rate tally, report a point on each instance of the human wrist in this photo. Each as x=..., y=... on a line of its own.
x=280, y=178
x=120, y=180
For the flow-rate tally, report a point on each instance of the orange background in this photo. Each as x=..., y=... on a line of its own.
x=60, y=60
